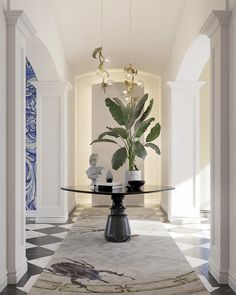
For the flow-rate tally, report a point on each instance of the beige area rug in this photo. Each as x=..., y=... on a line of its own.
x=149, y=264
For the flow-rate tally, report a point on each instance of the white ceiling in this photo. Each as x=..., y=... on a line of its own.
x=154, y=27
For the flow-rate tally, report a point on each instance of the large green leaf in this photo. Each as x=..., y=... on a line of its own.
x=154, y=147
x=154, y=133
x=119, y=158
x=116, y=111
x=143, y=127
x=148, y=110
x=119, y=132
x=137, y=110
x=109, y=133
x=144, y=115
x=140, y=105
x=123, y=107
x=129, y=110
x=103, y=140
x=140, y=150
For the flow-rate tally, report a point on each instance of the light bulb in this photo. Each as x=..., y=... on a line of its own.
x=107, y=59
x=98, y=73
x=129, y=76
x=125, y=91
x=127, y=98
x=140, y=83
x=110, y=82
x=102, y=73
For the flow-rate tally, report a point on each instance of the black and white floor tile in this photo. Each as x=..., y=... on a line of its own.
x=194, y=241
x=44, y=239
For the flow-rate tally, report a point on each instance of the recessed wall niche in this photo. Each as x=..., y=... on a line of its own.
x=84, y=85
x=101, y=118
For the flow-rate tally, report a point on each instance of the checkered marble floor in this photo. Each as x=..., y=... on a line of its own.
x=43, y=240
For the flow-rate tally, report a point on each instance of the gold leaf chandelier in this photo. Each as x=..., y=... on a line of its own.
x=130, y=71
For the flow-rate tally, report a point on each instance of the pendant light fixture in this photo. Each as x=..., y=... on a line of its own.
x=130, y=72
x=101, y=72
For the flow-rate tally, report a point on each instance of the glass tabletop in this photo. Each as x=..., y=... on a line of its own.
x=145, y=189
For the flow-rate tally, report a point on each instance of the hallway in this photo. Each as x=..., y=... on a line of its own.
x=114, y=90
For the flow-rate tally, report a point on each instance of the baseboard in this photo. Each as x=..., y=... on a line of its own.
x=51, y=219
x=232, y=281
x=220, y=275
x=205, y=213
x=184, y=220
x=51, y=215
x=13, y=276
x=71, y=209
x=30, y=213
x=3, y=281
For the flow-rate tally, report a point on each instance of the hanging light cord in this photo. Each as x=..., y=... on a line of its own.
x=101, y=23
x=130, y=32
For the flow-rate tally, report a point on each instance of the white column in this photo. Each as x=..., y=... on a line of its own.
x=217, y=29
x=52, y=203
x=184, y=201
x=18, y=29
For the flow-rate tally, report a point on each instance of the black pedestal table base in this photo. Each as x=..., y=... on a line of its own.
x=117, y=227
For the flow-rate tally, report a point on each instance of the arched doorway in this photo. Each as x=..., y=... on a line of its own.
x=19, y=30
x=181, y=165
x=216, y=29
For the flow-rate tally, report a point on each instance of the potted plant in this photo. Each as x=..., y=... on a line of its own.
x=134, y=121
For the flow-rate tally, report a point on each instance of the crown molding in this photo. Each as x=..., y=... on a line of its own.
x=48, y=88
x=217, y=18
x=185, y=86
x=19, y=19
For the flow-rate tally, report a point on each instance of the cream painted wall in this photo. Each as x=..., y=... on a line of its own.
x=83, y=132
x=205, y=139
x=83, y=129
x=3, y=274
x=71, y=146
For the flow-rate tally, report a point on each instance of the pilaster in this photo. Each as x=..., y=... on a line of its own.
x=184, y=201
x=217, y=29
x=18, y=29
x=52, y=151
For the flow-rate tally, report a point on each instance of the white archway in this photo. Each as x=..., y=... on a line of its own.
x=194, y=59
x=21, y=42
x=41, y=60
x=191, y=68
x=184, y=140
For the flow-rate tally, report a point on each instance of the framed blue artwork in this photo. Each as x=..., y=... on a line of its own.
x=31, y=155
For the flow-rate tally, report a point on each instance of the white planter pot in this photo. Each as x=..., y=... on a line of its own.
x=132, y=175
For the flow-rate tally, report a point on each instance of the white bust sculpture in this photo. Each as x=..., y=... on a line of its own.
x=93, y=171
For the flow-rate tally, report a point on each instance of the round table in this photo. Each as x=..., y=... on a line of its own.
x=117, y=226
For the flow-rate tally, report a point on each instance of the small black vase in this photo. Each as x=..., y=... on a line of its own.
x=109, y=176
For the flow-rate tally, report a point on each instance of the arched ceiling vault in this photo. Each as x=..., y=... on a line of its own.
x=154, y=23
